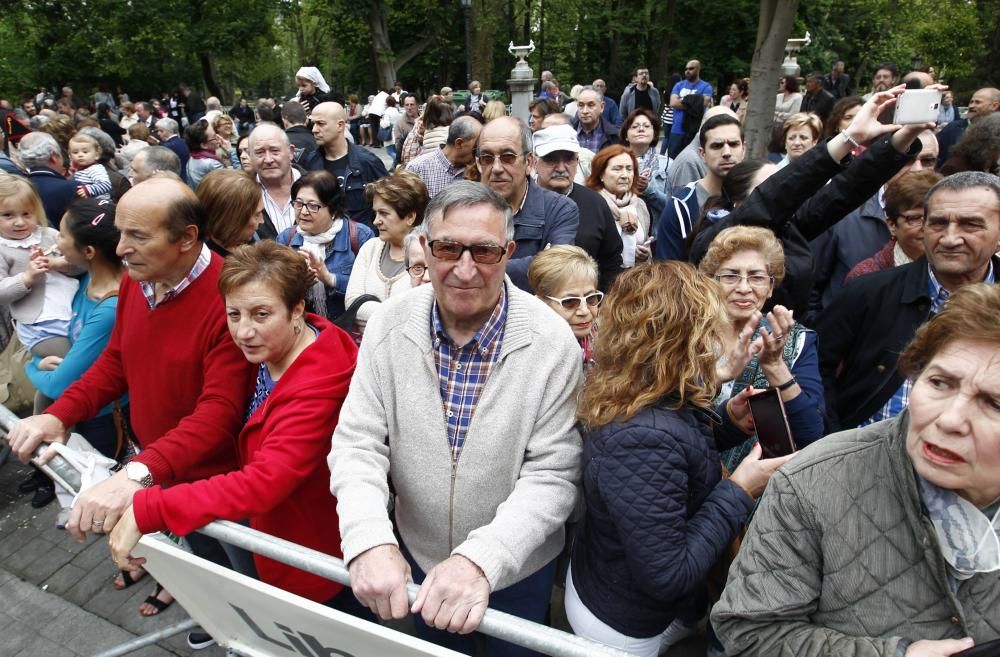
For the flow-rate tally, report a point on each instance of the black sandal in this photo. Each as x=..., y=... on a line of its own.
x=155, y=602
x=128, y=578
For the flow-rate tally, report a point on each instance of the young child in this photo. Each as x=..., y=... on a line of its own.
x=31, y=283
x=84, y=151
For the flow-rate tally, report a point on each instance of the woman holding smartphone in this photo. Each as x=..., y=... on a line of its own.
x=748, y=263
x=659, y=512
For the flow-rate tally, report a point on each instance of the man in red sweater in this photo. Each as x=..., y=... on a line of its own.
x=170, y=349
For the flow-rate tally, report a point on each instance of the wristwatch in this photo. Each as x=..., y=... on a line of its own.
x=139, y=473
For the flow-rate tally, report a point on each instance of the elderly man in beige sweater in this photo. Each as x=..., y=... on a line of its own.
x=465, y=395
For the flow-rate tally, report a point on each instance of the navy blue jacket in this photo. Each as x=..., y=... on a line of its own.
x=659, y=516
x=177, y=145
x=545, y=218
x=55, y=191
x=363, y=167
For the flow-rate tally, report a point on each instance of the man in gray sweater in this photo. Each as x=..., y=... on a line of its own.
x=465, y=395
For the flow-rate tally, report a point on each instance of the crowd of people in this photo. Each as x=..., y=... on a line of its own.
x=504, y=358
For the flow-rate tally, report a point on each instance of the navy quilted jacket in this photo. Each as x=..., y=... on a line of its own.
x=659, y=516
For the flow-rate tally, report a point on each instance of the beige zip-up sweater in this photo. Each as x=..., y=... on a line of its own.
x=514, y=484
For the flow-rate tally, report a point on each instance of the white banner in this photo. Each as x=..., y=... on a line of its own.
x=259, y=620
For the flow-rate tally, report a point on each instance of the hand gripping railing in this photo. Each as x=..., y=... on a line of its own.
x=500, y=625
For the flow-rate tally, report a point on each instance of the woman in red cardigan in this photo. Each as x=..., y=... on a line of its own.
x=283, y=484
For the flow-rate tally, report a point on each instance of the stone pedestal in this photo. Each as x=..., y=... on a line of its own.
x=522, y=81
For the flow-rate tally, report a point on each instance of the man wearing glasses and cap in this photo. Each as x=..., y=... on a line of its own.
x=481, y=492
x=556, y=161
x=541, y=217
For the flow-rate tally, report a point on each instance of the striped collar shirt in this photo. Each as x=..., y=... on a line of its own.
x=462, y=371
x=282, y=217
x=199, y=267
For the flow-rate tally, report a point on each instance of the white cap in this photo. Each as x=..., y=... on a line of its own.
x=555, y=138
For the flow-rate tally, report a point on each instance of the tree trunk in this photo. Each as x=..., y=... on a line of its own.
x=485, y=15
x=773, y=29
x=385, y=60
x=209, y=75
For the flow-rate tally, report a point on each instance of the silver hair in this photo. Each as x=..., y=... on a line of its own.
x=105, y=141
x=461, y=128
x=160, y=158
x=466, y=194
x=958, y=182
x=37, y=149
x=268, y=124
x=168, y=125
x=411, y=237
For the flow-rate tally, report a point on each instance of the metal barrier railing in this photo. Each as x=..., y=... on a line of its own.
x=500, y=625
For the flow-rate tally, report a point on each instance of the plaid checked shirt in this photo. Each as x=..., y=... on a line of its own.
x=462, y=371
x=436, y=171
x=200, y=265
x=901, y=399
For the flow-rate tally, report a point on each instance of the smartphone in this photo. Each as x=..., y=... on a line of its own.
x=917, y=106
x=988, y=649
x=771, y=423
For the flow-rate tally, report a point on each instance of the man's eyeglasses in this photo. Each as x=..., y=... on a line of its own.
x=484, y=254
x=308, y=205
x=572, y=303
x=755, y=280
x=507, y=159
x=416, y=271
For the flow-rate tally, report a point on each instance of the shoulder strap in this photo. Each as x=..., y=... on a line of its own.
x=352, y=230
x=112, y=293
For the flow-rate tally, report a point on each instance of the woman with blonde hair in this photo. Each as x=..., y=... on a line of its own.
x=800, y=132
x=234, y=206
x=494, y=110
x=565, y=278
x=659, y=512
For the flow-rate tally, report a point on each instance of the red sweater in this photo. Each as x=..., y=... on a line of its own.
x=283, y=485
x=187, y=380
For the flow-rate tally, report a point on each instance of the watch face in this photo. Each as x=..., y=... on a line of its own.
x=136, y=471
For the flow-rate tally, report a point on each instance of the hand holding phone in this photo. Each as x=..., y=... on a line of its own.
x=771, y=423
x=916, y=106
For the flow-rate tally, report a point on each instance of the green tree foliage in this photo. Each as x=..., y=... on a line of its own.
x=255, y=46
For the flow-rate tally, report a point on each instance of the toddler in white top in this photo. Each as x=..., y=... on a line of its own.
x=33, y=281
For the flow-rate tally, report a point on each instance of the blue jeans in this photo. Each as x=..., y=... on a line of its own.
x=528, y=599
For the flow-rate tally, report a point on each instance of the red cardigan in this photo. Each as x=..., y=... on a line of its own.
x=283, y=484
x=187, y=380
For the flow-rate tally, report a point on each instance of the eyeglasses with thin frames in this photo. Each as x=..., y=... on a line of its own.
x=754, y=280
x=416, y=271
x=484, y=254
x=572, y=303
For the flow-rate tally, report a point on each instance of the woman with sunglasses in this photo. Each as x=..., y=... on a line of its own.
x=565, y=278
x=748, y=263
x=659, y=513
x=326, y=237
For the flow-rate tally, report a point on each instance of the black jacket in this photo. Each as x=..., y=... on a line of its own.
x=821, y=104
x=597, y=234
x=363, y=167
x=861, y=334
x=659, y=516
x=797, y=204
x=302, y=139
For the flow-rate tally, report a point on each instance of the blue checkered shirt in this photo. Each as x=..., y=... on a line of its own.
x=901, y=399
x=591, y=140
x=462, y=371
x=200, y=265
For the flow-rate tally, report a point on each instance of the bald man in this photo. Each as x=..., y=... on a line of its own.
x=353, y=166
x=983, y=103
x=271, y=153
x=170, y=350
